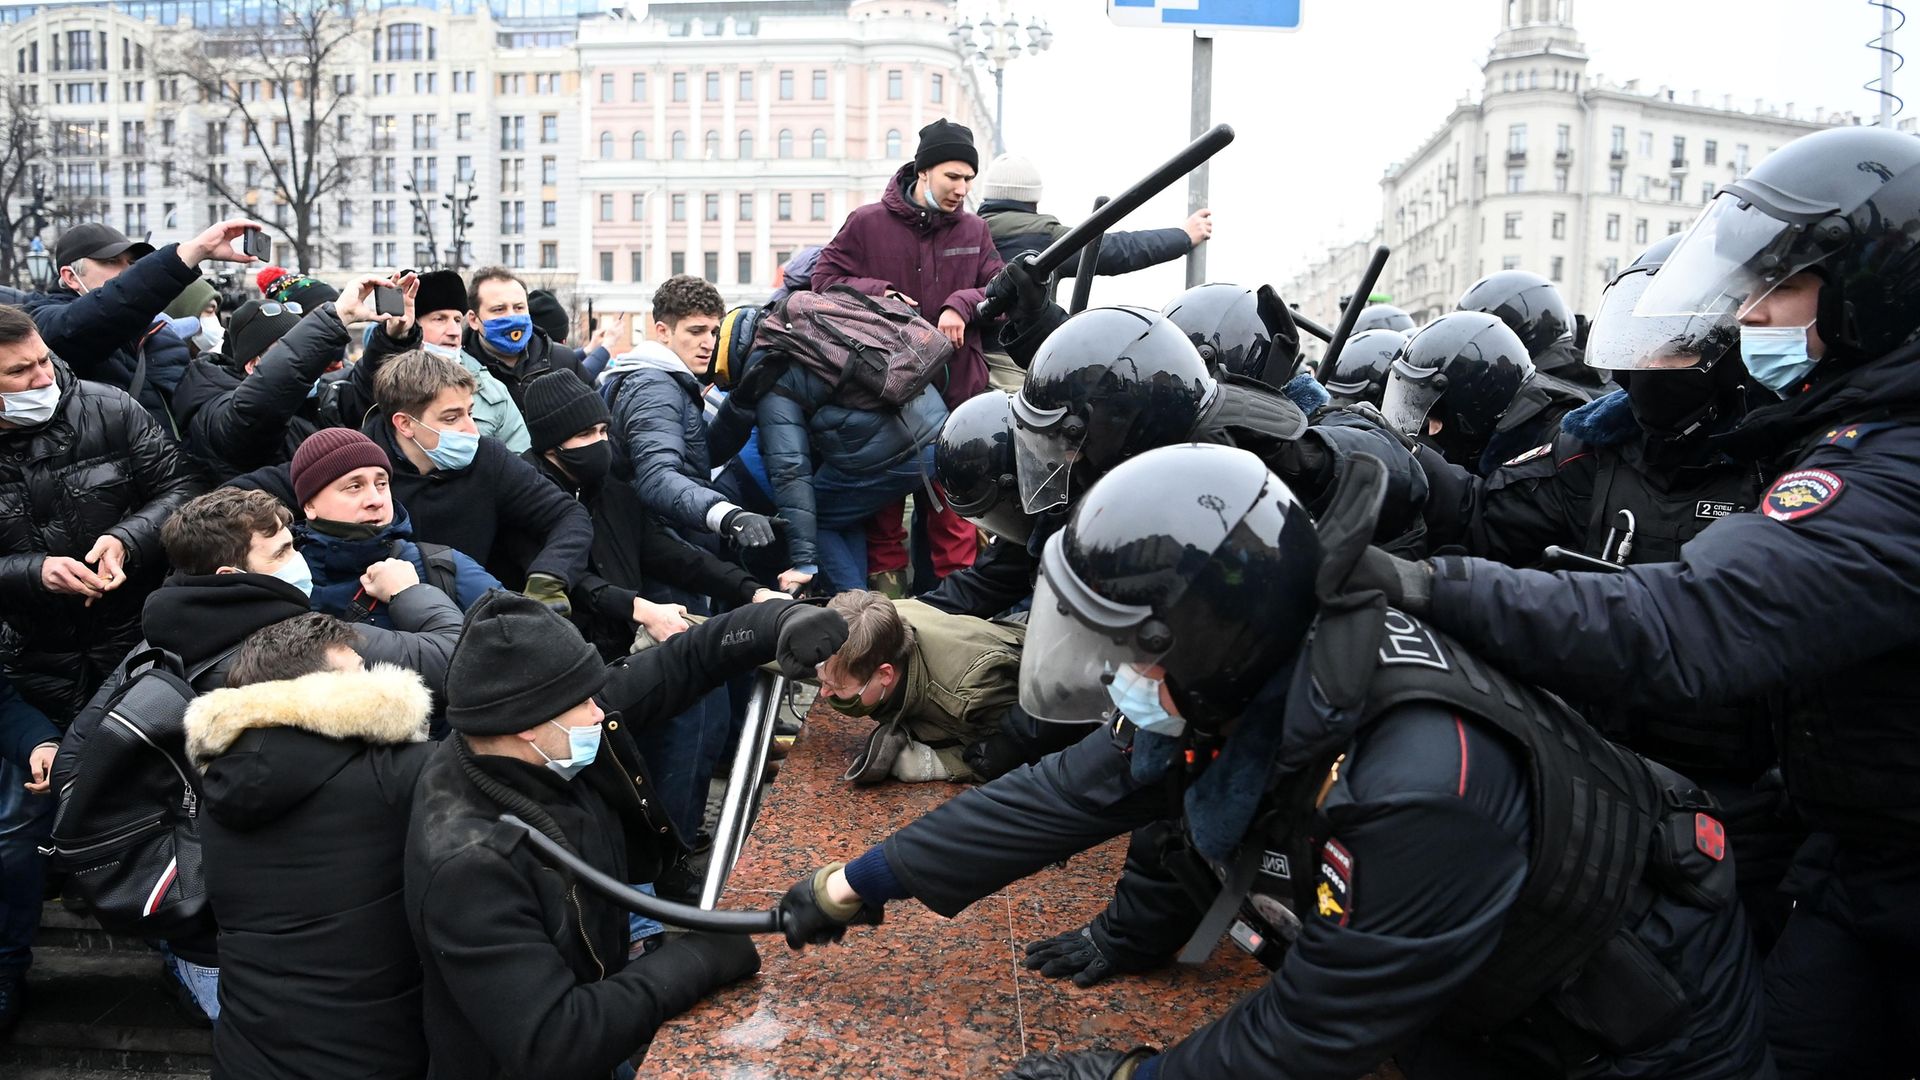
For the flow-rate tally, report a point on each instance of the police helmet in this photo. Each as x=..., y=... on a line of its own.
x=1461, y=369
x=1239, y=331
x=974, y=463
x=1843, y=204
x=1382, y=317
x=1108, y=384
x=1194, y=559
x=1360, y=372
x=1529, y=304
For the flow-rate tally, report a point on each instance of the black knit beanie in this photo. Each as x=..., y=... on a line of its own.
x=944, y=140
x=559, y=406
x=547, y=314
x=440, y=290
x=517, y=666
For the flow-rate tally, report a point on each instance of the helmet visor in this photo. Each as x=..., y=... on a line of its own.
x=1623, y=341
x=1734, y=255
x=1074, y=650
x=1045, y=446
x=1411, y=392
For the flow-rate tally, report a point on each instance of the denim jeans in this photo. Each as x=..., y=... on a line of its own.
x=202, y=983
x=25, y=822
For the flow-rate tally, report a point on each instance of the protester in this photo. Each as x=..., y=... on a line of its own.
x=28, y=741
x=1010, y=204
x=500, y=333
x=309, y=766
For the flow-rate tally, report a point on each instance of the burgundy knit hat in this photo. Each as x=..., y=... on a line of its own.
x=328, y=455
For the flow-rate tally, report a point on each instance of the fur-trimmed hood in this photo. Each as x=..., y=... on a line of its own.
x=385, y=705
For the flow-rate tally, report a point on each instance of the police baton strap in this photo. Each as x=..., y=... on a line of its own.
x=1106, y=217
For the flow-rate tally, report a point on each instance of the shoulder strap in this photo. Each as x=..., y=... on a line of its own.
x=211, y=662
x=443, y=571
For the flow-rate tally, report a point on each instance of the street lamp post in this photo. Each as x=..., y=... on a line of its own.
x=39, y=265
x=997, y=40
x=460, y=210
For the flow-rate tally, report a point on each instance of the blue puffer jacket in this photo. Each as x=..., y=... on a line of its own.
x=803, y=431
x=660, y=440
x=337, y=565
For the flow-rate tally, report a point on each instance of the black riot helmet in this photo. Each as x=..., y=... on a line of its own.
x=1360, y=372
x=1239, y=331
x=1843, y=204
x=1382, y=317
x=1529, y=304
x=1192, y=558
x=974, y=463
x=1108, y=384
x=1461, y=369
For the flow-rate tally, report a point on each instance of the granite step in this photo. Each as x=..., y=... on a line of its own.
x=100, y=1005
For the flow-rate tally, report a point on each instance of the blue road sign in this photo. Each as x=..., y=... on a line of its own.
x=1207, y=15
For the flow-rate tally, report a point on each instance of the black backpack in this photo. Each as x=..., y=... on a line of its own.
x=126, y=829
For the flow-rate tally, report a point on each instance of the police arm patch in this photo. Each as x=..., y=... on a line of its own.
x=1333, y=893
x=1801, y=493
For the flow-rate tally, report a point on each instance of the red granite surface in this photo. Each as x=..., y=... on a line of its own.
x=920, y=996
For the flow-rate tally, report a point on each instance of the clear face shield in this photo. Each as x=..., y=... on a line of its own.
x=1623, y=341
x=1735, y=255
x=1076, y=643
x=1411, y=393
x=1046, y=443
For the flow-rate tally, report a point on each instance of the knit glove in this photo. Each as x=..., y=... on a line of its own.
x=550, y=591
x=809, y=917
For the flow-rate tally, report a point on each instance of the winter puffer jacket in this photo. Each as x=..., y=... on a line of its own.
x=659, y=433
x=338, y=564
x=100, y=467
x=803, y=431
x=104, y=332
x=234, y=421
x=941, y=260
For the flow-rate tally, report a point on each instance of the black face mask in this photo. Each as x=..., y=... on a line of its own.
x=346, y=530
x=588, y=465
x=1670, y=403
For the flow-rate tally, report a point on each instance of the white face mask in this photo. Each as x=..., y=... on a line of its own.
x=211, y=336
x=448, y=352
x=296, y=573
x=30, y=407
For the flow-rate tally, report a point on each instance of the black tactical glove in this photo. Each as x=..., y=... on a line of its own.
x=1081, y=1064
x=1018, y=289
x=808, y=636
x=1076, y=953
x=1406, y=585
x=809, y=918
x=1304, y=461
x=749, y=530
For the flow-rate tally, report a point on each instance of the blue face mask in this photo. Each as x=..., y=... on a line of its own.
x=1138, y=699
x=508, y=334
x=583, y=745
x=456, y=448
x=296, y=573
x=1776, y=356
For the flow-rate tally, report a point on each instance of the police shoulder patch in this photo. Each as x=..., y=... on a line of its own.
x=1848, y=436
x=1538, y=451
x=1801, y=493
x=1333, y=893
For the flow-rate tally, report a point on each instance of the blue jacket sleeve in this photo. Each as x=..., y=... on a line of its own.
x=470, y=582
x=788, y=453
x=1753, y=604
x=22, y=727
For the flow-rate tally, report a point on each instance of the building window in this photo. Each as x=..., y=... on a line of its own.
x=344, y=256
x=819, y=86
x=679, y=208
x=463, y=169
x=1740, y=159
x=1618, y=144
x=679, y=86
x=817, y=206
x=1676, y=190
x=1639, y=230
x=746, y=144
x=896, y=85
x=1557, y=268
x=746, y=207
x=1516, y=140
x=549, y=128
x=549, y=214
x=1616, y=181
x=1613, y=226
x=785, y=143
x=786, y=86
x=1679, y=151
x=677, y=263
x=939, y=94
x=1646, y=144
x=746, y=86
x=710, y=208
x=1560, y=179
x=549, y=256
x=893, y=144
x=1516, y=181
x=713, y=86
x=1559, y=226
x=678, y=145
x=1512, y=230
x=783, y=207
x=1674, y=225
x=1563, y=139
x=743, y=267
x=713, y=146
x=819, y=143
x=606, y=208
x=639, y=146
x=1510, y=262
x=606, y=266
x=513, y=133
x=639, y=92
x=606, y=146
x=637, y=265
x=549, y=171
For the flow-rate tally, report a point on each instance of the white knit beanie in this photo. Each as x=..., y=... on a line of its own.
x=1012, y=176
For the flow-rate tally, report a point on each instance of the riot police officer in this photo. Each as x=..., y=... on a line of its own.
x=1360, y=371
x=1484, y=886
x=1533, y=308
x=1816, y=254
x=1240, y=331
x=1382, y=317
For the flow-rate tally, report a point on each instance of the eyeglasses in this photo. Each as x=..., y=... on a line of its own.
x=288, y=308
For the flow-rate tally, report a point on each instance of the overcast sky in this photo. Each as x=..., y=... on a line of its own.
x=1321, y=112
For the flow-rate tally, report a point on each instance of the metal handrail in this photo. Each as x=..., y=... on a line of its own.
x=741, y=804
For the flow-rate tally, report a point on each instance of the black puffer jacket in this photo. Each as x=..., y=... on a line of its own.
x=100, y=467
x=104, y=333
x=234, y=421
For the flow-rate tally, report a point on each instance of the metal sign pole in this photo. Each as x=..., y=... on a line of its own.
x=1202, y=120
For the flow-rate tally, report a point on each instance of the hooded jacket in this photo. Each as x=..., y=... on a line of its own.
x=308, y=789
x=941, y=260
x=100, y=467
x=495, y=411
x=104, y=332
x=234, y=421
x=660, y=437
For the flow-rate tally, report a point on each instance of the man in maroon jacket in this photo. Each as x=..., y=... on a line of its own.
x=920, y=243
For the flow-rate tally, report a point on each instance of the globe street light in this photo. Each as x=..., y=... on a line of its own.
x=39, y=265
x=995, y=41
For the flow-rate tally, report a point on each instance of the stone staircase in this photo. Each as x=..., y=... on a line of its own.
x=100, y=1006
